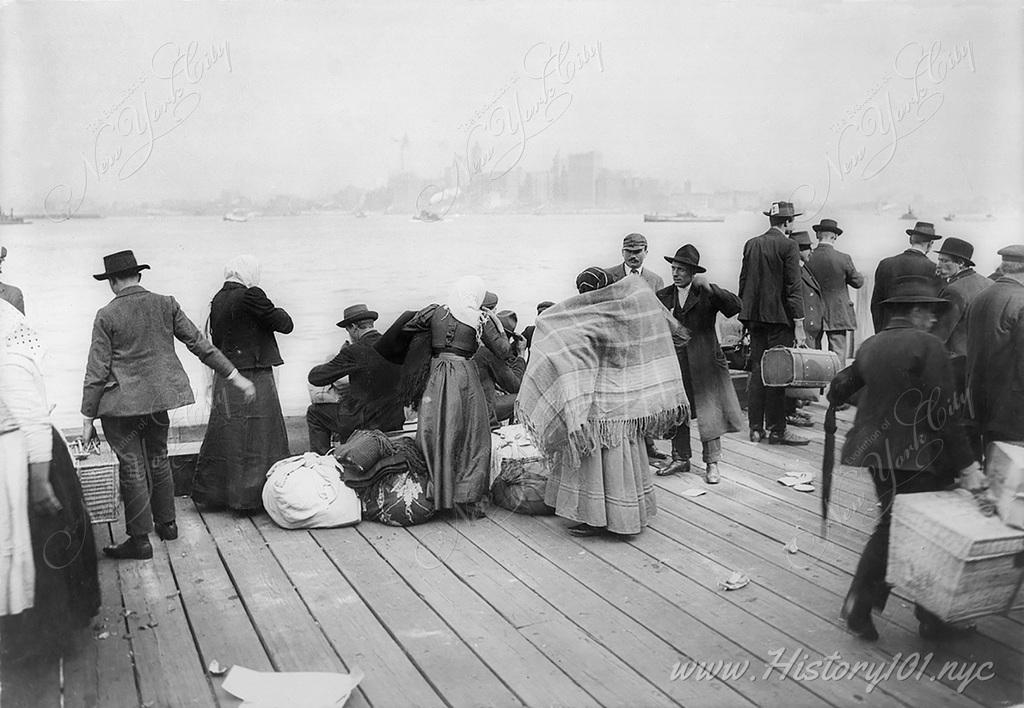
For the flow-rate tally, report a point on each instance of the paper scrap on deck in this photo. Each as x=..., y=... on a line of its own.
x=693, y=492
x=269, y=689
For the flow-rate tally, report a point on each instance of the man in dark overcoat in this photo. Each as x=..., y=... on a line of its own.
x=913, y=261
x=773, y=312
x=499, y=378
x=813, y=319
x=133, y=377
x=907, y=433
x=835, y=272
x=695, y=304
x=961, y=285
x=995, y=352
x=371, y=399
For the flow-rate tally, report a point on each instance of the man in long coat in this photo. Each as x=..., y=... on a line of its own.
x=835, y=272
x=962, y=285
x=913, y=261
x=773, y=311
x=995, y=352
x=907, y=433
x=813, y=319
x=695, y=303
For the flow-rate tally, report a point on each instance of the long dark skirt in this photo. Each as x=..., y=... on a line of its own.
x=454, y=432
x=242, y=441
x=67, y=590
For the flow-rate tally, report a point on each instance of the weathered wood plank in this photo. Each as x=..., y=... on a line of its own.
x=524, y=669
x=223, y=631
x=99, y=672
x=291, y=636
x=452, y=667
x=391, y=678
x=31, y=684
x=170, y=672
x=539, y=597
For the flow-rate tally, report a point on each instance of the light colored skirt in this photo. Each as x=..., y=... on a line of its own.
x=612, y=488
x=17, y=569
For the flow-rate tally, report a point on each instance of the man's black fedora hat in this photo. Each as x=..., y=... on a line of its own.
x=687, y=255
x=911, y=289
x=120, y=263
x=355, y=313
x=923, y=228
x=958, y=248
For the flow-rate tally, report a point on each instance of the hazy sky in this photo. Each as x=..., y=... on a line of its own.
x=857, y=98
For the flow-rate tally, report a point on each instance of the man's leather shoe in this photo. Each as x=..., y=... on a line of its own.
x=676, y=466
x=786, y=438
x=799, y=421
x=933, y=628
x=857, y=613
x=756, y=435
x=711, y=475
x=137, y=547
x=168, y=531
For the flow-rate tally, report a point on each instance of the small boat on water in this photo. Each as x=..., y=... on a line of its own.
x=236, y=215
x=949, y=217
x=909, y=216
x=359, y=214
x=427, y=216
x=682, y=216
x=9, y=219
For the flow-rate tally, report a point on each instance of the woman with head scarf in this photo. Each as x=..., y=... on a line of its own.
x=603, y=374
x=454, y=431
x=48, y=582
x=243, y=439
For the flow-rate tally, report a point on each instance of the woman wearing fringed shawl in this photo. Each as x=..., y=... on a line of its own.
x=454, y=431
x=49, y=589
x=242, y=439
x=602, y=375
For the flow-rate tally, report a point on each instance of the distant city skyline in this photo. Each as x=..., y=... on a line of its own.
x=825, y=102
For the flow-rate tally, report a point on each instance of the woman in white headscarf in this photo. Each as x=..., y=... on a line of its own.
x=243, y=439
x=454, y=429
x=48, y=582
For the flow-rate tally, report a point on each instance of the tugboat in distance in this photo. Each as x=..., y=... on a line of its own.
x=909, y=216
x=9, y=219
x=236, y=215
x=427, y=216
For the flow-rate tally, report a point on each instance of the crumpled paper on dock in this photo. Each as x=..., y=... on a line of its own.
x=285, y=689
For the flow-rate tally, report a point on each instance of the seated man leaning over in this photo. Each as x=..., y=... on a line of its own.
x=500, y=380
x=370, y=401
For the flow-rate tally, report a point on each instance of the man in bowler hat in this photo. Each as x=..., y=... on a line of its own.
x=905, y=374
x=961, y=284
x=695, y=303
x=773, y=312
x=133, y=377
x=913, y=261
x=835, y=272
x=995, y=352
x=371, y=401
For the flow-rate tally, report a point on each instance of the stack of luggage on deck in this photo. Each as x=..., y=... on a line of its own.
x=519, y=473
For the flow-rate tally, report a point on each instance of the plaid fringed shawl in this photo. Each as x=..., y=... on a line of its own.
x=602, y=370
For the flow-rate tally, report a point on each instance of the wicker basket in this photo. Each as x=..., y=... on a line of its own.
x=954, y=561
x=100, y=486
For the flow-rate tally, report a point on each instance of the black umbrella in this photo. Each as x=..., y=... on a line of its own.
x=827, y=465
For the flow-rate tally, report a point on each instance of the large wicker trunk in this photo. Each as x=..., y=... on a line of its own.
x=951, y=559
x=799, y=368
x=1004, y=467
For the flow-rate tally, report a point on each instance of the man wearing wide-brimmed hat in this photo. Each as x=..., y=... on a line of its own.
x=835, y=272
x=501, y=378
x=132, y=379
x=913, y=261
x=904, y=375
x=995, y=352
x=962, y=284
x=695, y=303
x=773, y=312
x=370, y=401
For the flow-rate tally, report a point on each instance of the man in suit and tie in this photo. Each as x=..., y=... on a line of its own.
x=8, y=292
x=835, y=272
x=634, y=252
x=695, y=304
x=913, y=261
x=773, y=312
x=132, y=379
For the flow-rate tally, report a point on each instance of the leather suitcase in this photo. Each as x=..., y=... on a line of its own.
x=799, y=368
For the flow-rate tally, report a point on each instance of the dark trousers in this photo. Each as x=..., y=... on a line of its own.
x=711, y=450
x=147, y=485
x=869, y=588
x=766, y=406
x=323, y=419
x=837, y=342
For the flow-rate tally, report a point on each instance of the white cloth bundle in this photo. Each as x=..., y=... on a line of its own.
x=306, y=492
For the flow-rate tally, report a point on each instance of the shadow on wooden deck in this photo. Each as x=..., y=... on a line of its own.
x=511, y=610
